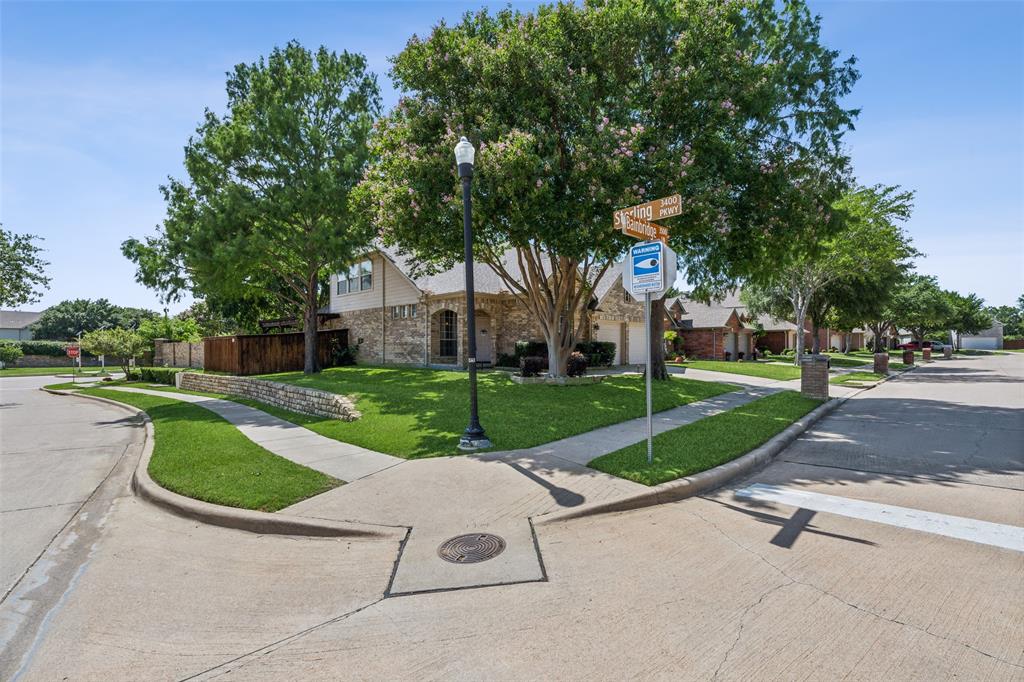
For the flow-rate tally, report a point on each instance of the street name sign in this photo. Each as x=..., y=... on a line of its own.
x=642, y=229
x=665, y=207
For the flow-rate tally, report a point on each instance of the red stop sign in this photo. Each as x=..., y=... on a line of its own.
x=72, y=351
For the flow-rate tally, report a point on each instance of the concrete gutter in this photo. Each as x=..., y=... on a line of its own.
x=264, y=523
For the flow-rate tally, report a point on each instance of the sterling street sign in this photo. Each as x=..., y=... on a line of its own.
x=641, y=229
x=666, y=207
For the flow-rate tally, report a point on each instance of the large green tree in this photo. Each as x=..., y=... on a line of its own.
x=968, y=315
x=67, y=319
x=578, y=110
x=21, y=269
x=869, y=251
x=921, y=307
x=1012, y=317
x=265, y=213
x=874, y=218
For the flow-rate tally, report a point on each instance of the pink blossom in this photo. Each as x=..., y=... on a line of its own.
x=629, y=153
x=540, y=183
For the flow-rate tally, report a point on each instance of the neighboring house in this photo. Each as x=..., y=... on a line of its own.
x=989, y=339
x=14, y=324
x=396, y=317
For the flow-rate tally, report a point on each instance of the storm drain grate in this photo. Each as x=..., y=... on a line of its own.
x=471, y=548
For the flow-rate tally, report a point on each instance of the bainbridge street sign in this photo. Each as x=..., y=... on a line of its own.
x=641, y=229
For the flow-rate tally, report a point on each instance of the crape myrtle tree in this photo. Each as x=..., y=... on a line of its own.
x=580, y=110
x=865, y=254
x=265, y=211
x=21, y=269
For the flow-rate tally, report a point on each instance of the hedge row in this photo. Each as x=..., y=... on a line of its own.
x=53, y=349
x=159, y=375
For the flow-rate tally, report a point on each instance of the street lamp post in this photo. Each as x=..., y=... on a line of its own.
x=474, y=437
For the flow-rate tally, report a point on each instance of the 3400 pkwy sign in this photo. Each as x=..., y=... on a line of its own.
x=638, y=221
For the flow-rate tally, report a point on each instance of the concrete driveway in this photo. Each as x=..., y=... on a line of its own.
x=879, y=546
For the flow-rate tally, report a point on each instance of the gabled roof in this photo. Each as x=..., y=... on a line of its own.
x=17, y=319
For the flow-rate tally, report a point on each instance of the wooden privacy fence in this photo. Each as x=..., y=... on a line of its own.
x=267, y=353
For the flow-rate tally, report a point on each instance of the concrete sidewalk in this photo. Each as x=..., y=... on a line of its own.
x=341, y=460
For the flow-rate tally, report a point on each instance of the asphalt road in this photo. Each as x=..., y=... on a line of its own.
x=881, y=545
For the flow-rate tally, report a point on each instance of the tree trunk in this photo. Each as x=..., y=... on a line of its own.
x=310, y=364
x=558, y=356
x=815, y=340
x=659, y=370
x=801, y=318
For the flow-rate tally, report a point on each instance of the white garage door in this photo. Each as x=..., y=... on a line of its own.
x=637, y=344
x=611, y=332
x=978, y=342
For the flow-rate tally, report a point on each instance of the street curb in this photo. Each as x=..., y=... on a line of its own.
x=689, y=486
x=264, y=523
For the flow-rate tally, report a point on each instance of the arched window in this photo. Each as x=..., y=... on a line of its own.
x=449, y=334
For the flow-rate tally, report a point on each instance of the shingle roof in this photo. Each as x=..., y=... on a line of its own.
x=17, y=319
x=485, y=279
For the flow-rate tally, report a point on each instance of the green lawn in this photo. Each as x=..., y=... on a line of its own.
x=848, y=360
x=856, y=378
x=708, y=442
x=47, y=371
x=768, y=370
x=412, y=412
x=200, y=455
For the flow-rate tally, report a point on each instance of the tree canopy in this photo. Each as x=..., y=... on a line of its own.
x=21, y=269
x=123, y=344
x=921, y=307
x=968, y=315
x=850, y=271
x=265, y=214
x=64, y=321
x=581, y=110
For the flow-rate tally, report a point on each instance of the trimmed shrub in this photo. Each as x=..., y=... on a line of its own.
x=9, y=353
x=506, y=360
x=532, y=365
x=343, y=356
x=576, y=365
x=159, y=375
x=599, y=353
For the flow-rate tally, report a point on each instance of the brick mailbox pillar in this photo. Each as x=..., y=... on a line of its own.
x=926, y=355
x=814, y=376
x=908, y=357
x=881, y=363
x=947, y=352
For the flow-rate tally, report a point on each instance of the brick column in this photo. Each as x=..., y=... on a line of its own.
x=926, y=355
x=881, y=363
x=908, y=357
x=814, y=376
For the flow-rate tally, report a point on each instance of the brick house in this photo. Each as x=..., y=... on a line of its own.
x=398, y=318
x=725, y=326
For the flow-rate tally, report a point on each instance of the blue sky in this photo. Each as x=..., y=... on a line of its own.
x=99, y=98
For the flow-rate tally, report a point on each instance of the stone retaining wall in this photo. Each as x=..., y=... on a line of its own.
x=294, y=398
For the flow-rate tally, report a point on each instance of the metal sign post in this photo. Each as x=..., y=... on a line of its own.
x=652, y=269
x=650, y=419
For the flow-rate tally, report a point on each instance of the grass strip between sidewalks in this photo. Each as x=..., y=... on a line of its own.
x=201, y=455
x=766, y=370
x=708, y=442
x=857, y=378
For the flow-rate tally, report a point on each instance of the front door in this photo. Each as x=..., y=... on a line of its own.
x=484, y=342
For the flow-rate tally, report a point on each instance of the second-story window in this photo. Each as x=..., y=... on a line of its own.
x=359, y=277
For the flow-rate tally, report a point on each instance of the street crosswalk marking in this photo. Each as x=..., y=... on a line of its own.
x=962, y=528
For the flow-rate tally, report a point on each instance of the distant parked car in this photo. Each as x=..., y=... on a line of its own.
x=936, y=346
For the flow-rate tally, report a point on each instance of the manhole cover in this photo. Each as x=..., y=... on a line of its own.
x=471, y=548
